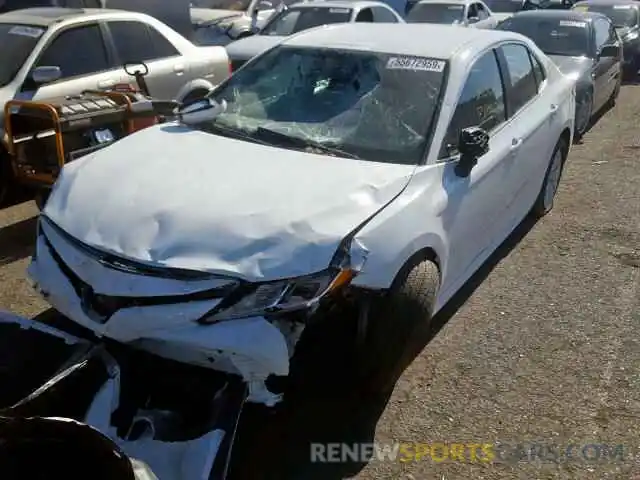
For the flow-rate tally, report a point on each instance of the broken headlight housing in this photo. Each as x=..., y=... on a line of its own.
x=283, y=295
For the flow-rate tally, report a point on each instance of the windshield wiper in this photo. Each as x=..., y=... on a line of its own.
x=233, y=132
x=304, y=143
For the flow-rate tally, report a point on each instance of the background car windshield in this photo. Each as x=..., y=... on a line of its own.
x=620, y=15
x=17, y=41
x=296, y=20
x=375, y=106
x=436, y=13
x=236, y=5
x=553, y=37
x=505, y=6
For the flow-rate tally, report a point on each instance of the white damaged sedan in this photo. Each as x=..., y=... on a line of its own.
x=343, y=166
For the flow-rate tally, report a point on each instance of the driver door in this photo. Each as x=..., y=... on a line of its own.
x=476, y=204
x=84, y=61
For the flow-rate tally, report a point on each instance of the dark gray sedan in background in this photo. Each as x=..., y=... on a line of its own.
x=625, y=16
x=584, y=46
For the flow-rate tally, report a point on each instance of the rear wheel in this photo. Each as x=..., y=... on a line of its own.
x=584, y=110
x=544, y=202
x=393, y=321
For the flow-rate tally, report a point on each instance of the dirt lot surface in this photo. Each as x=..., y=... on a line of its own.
x=544, y=349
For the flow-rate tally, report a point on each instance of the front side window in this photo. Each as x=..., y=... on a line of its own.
x=433, y=12
x=481, y=103
x=64, y=52
x=369, y=105
x=18, y=41
x=296, y=20
x=522, y=77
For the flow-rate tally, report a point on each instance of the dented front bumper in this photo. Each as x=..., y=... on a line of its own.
x=46, y=372
x=253, y=348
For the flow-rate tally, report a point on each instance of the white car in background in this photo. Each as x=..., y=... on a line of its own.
x=52, y=52
x=464, y=13
x=344, y=170
x=302, y=16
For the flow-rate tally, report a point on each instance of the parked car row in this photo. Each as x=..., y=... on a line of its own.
x=52, y=52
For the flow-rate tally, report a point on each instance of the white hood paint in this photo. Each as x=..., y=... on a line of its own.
x=175, y=197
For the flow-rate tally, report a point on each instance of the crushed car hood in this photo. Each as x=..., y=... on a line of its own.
x=249, y=47
x=574, y=66
x=176, y=197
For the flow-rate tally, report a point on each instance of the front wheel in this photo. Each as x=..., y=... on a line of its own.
x=544, y=202
x=393, y=322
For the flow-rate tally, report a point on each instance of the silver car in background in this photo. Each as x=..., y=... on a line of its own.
x=305, y=15
x=463, y=13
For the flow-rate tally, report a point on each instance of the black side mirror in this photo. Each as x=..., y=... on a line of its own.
x=473, y=143
x=609, y=51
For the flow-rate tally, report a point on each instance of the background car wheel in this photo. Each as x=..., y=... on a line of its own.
x=6, y=177
x=584, y=109
x=544, y=202
x=614, y=96
x=406, y=307
x=194, y=95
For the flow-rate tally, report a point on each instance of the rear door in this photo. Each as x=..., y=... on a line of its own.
x=136, y=41
x=83, y=58
x=535, y=127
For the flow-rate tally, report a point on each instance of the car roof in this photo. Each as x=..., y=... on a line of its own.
x=336, y=4
x=452, y=2
x=570, y=15
x=392, y=38
x=47, y=16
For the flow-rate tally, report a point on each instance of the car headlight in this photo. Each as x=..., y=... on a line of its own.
x=283, y=295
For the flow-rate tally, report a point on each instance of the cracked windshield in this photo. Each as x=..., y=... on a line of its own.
x=349, y=103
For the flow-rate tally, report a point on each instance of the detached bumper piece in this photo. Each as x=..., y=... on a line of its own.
x=169, y=421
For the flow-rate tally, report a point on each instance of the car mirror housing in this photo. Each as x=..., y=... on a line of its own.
x=473, y=143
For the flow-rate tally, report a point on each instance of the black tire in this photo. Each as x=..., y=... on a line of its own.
x=614, y=96
x=542, y=206
x=586, y=103
x=406, y=308
x=6, y=177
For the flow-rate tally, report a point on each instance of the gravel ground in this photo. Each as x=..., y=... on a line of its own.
x=544, y=348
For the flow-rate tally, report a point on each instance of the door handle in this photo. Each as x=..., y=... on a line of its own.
x=516, y=143
x=179, y=69
x=107, y=83
x=554, y=108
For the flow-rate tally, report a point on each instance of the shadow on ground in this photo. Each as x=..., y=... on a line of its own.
x=277, y=445
x=17, y=240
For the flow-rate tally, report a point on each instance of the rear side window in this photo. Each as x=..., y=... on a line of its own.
x=481, y=103
x=384, y=15
x=135, y=42
x=523, y=85
x=63, y=52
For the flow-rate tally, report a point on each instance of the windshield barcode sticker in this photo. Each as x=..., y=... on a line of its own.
x=338, y=10
x=415, y=63
x=26, y=31
x=622, y=7
x=570, y=23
